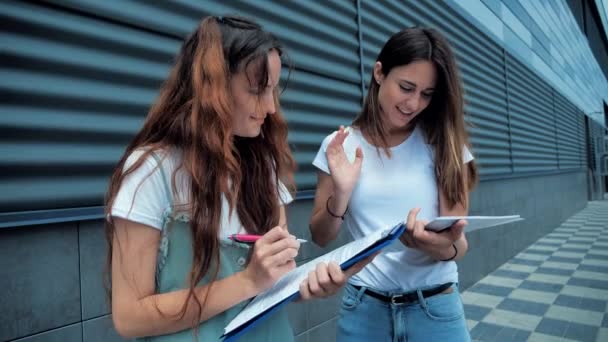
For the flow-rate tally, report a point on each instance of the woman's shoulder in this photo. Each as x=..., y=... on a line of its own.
x=168, y=158
x=423, y=140
x=354, y=138
x=145, y=192
x=158, y=168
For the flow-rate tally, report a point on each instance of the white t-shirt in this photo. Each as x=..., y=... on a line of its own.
x=144, y=195
x=386, y=191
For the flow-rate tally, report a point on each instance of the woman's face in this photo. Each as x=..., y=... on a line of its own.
x=251, y=105
x=405, y=92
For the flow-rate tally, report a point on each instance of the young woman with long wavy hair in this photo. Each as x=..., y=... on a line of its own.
x=412, y=132
x=211, y=160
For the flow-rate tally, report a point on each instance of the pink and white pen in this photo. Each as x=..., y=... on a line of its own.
x=250, y=238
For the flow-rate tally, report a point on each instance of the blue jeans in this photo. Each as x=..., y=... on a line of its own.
x=436, y=318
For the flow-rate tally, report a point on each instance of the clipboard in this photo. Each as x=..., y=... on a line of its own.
x=442, y=223
x=286, y=289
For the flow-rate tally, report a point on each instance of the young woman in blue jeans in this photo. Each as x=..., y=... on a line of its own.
x=411, y=131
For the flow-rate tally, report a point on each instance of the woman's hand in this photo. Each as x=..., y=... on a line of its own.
x=273, y=255
x=344, y=174
x=437, y=245
x=327, y=279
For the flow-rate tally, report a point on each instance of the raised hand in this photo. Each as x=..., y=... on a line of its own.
x=344, y=174
x=432, y=243
x=273, y=255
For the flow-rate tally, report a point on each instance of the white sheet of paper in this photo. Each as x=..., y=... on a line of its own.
x=290, y=282
x=475, y=222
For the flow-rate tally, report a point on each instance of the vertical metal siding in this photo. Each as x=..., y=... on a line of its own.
x=80, y=76
x=533, y=126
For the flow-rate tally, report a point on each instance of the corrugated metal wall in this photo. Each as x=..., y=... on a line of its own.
x=481, y=62
x=534, y=144
x=79, y=76
x=595, y=142
x=76, y=89
x=582, y=138
x=567, y=120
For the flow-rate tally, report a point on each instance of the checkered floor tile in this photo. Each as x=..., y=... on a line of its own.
x=555, y=290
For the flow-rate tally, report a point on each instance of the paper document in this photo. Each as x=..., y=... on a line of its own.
x=288, y=286
x=475, y=222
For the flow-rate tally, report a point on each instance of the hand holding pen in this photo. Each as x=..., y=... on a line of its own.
x=273, y=256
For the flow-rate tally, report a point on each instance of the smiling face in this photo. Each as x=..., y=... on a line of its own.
x=405, y=92
x=251, y=105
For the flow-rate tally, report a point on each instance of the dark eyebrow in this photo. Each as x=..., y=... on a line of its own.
x=414, y=85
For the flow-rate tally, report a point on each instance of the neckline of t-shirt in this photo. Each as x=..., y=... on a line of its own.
x=393, y=148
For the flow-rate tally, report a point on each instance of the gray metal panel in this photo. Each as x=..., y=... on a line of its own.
x=534, y=144
x=71, y=333
x=80, y=76
x=567, y=122
x=581, y=138
x=480, y=61
x=315, y=106
x=590, y=143
x=75, y=91
x=39, y=279
x=101, y=329
x=598, y=134
x=321, y=37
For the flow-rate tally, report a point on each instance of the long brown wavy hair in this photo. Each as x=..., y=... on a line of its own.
x=442, y=121
x=192, y=115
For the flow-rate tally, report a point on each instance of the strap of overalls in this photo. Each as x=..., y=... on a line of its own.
x=163, y=248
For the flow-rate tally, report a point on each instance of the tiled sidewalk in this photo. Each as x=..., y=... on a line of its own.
x=555, y=290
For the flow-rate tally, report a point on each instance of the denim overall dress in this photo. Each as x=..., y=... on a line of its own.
x=172, y=273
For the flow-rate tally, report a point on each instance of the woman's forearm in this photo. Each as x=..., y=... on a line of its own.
x=159, y=314
x=324, y=227
x=452, y=253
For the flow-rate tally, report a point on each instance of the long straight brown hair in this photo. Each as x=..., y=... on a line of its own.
x=442, y=121
x=192, y=115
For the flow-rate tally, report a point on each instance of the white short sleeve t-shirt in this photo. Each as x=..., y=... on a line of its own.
x=145, y=194
x=386, y=191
